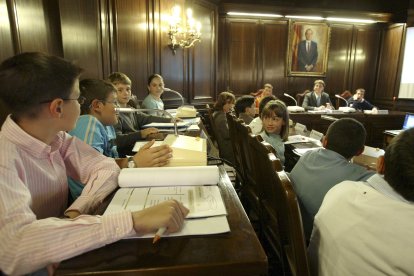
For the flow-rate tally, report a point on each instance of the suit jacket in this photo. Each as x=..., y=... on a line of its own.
x=309, y=102
x=307, y=58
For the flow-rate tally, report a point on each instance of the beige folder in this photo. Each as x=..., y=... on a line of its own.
x=187, y=150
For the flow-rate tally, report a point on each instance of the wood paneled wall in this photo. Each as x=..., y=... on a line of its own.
x=29, y=25
x=130, y=36
x=254, y=53
x=240, y=54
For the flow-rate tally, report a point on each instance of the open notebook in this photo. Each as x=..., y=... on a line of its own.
x=195, y=187
x=408, y=123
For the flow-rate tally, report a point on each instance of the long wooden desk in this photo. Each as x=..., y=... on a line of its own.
x=236, y=253
x=375, y=124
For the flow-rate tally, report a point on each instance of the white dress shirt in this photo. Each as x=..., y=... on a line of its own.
x=33, y=198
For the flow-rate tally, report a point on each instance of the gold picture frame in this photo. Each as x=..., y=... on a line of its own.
x=308, y=48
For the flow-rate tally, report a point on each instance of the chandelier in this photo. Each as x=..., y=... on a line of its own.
x=183, y=35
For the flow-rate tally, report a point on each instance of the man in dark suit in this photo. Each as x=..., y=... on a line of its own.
x=317, y=99
x=307, y=53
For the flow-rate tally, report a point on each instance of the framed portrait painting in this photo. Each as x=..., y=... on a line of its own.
x=308, y=48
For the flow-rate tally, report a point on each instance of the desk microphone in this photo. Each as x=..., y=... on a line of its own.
x=289, y=96
x=346, y=108
x=294, y=108
x=133, y=110
x=175, y=92
x=342, y=98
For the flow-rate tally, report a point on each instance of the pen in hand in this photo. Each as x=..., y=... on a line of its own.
x=158, y=235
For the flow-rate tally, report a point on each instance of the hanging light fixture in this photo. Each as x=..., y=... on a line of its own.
x=184, y=36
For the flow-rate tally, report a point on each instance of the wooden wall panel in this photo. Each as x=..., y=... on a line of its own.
x=273, y=56
x=38, y=26
x=6, y=40
x=203, y=58
x=174, y=68
x=132, y=27
x=81, y=35
x=365, y=59
x=387, y=85
x=243, y=44
x=339, y=59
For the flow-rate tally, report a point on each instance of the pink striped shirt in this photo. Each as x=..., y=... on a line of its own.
x=33, y=198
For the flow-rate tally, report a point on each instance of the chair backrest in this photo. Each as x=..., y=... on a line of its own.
x=250, y=190
x=301, y=96
x=211, y=128
x=237, y=148
x=346, y=95
x=282, y=222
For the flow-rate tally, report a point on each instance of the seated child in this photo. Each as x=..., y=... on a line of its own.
x=155, y=90
x=319, y=170
x=256, y=124
x=129, y=127
x=95, y=127
x=38, y=227
x=225, y=103
x=275, y=119
x=245, y=108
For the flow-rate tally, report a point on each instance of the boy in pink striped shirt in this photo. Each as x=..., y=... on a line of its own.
x=38, y=155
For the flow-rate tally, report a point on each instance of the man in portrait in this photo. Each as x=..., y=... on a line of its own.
x=307, y=52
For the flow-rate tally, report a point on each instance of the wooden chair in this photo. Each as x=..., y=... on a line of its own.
x=211, y=128
x=250, y=190
x=236, y=144
x=346, y=95
x=301, y=96
x=281, y=219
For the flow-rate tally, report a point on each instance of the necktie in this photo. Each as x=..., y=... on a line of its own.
x=318, y=101
x=307, y=46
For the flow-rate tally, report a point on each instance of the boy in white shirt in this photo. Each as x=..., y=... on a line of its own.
x=38, y=156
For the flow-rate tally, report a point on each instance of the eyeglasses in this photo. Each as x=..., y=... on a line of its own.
x=81, y=100
x=114, y=102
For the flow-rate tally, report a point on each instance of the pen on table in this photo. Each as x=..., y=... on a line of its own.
x=158, y=235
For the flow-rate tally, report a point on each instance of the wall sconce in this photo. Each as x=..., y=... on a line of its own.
x=183, y=37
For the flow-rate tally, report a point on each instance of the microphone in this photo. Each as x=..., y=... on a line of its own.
x=289, y=96
x=294, y=108
x=346, y=108
x=175, y=92
x=133, y=110
x=342, y=98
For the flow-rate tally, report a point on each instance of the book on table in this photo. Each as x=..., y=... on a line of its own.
x=187, y=150
x=196, y=187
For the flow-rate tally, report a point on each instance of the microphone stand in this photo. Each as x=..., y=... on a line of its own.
x=133, y=110
x=294, y=108
x=289, y=96
x=342, y=98
x=177, y=93
x=346, y=108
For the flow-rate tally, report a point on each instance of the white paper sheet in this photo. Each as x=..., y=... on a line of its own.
x=169, y=176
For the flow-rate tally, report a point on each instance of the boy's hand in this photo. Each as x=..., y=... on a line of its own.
x=152, y=157
x=148, y=131
x=169, y=214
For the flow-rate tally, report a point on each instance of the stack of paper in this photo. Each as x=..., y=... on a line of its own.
x=207, y=210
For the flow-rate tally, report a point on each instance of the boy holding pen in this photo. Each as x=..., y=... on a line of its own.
x=37, y=228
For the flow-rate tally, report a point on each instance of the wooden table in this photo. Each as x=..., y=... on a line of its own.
x=236, y=253
x=375, y=124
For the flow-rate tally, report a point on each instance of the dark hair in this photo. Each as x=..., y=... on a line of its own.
x=346, y=136
x=94, y=89
x=242, y=103
x=153, y=76
x=278, y=108
x=399, y=164
x=222, y=99
x=264, y=101
x=118, y=77
x=28, y=79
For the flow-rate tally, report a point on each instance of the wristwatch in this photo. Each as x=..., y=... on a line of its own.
x=131, y=162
